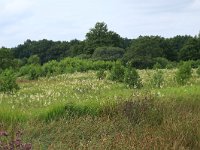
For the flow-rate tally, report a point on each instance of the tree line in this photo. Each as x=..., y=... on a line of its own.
x=102, y=44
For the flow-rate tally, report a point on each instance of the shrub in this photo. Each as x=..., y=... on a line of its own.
x=8, y=81
x=51, y=68
x=157, y=79
x=184, y=73
x=132, y=78
x=101, y=74
x=34, y=59
x=170, y=66
x=35, y=72
x=162, y=62
x=198, y=71
x=142, y=62
x=194, y=63
x=15, y=143
x=117, y=72
x=157, y=66
x=24, y=70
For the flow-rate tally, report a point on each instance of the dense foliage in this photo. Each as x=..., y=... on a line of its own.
x=108, y=53
x=103, y=44
x=117, y=72
x=184, y=73
x=132, y=78
x=8, y=81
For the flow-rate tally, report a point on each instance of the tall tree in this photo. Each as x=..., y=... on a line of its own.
x=173, y=46
x=190, y=50
x=100, y=36
x=143, y=50
x=6, y=58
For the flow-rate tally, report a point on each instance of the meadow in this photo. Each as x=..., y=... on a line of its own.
x=79, y=111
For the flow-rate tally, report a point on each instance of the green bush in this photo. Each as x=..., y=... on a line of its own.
x=24, y=70
x=8, y=81
x=101, y=74
x=170, y=66
x=184, y=73
x=198, y=71
x=157, y=66
x=157, y=79
x=35, y=72
x=141, y=62
x=132, y=78
x=194, y=63
x=117, y=72
x=51, y=68
x=163, y=62
x=34, y=59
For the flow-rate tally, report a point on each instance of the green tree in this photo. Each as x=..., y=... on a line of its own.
x=172, y=46
x=191, y=50
x=6, y=58
x=143, y=50
x=100, y=36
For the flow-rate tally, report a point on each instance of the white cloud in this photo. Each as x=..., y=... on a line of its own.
x=195, y=5
x=68, y=19
x=15, y=7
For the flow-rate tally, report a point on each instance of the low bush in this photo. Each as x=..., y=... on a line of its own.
x=35, y=72
x=184, y=73
x=51, y=68
x=24, y=70
x=117, y=72
x=13, y=143
x=132, y=78
x=198, y=71
x=101, y=74
x=160, y=62
x=8, y=81
x=157, y=79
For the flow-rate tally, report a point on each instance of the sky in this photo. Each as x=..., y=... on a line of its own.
x=65, y=20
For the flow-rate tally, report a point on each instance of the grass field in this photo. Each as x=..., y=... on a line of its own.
x=78, y=111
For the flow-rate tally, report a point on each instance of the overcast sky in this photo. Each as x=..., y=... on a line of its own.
x=69, y=19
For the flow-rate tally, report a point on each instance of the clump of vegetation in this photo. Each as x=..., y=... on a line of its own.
x=35, y=72
x=13, y=144
x=101, y=74
x=144, y=110
x=108, y=53
x=184, y=73
x=198, y=71
x=8, y=81
x=132, y=78
x=157, y=66
x=157, y=79
x=34, y=59
x=117, y=72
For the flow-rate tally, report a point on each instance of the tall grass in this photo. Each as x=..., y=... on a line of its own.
x=79, y=111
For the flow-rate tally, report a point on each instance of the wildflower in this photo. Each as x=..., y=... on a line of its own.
x=3, y=133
